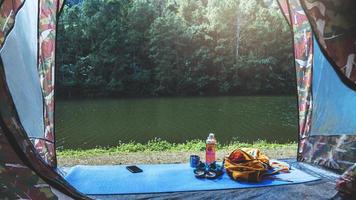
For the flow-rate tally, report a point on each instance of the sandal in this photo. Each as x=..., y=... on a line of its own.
x=200, y=170
x=214, y=171
x=211, y=171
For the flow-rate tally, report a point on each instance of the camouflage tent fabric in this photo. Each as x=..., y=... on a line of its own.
x=333, y=22
x=17, y=180
x=284, y=7
x=346, y=184
x=46, y=60
x=303, y=55
x=24, y=173
x=11, y=128
x=8, y=12
x=332, y=151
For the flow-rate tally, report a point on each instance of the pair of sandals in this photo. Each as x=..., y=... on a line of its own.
x=211, y=171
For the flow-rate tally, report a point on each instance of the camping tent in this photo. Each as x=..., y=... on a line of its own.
x=324, y=50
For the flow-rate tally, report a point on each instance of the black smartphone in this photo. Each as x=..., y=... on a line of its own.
x=134, y=169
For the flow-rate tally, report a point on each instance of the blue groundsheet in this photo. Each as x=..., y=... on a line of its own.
x=116, y=179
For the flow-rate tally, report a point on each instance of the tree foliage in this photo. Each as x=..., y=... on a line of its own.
x=172, y=47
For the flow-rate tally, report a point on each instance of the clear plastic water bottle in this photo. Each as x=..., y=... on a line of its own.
x=210, y=149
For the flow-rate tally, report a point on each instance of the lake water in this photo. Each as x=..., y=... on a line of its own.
x=104, y=122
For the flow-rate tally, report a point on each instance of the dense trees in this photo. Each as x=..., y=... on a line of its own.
x=172, y=47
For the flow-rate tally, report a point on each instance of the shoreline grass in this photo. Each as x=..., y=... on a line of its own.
x=159, y=145
x=161, y=151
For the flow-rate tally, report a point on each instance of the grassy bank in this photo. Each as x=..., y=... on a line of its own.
x=161, y=151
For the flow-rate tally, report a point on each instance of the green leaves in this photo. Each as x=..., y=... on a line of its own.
x=171, y=47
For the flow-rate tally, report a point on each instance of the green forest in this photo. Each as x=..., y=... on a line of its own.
x=120, y=48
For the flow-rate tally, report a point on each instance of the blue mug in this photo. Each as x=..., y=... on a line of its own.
x=194, y=161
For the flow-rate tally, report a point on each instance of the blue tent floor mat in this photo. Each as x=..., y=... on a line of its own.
x=116, y=179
